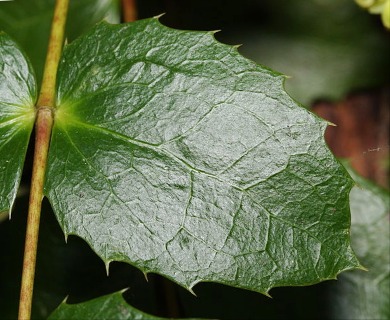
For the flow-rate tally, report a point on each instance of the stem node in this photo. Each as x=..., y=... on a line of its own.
x=43, y=127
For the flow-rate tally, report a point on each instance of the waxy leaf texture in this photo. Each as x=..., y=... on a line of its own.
x=172, y=152
x=17, y=113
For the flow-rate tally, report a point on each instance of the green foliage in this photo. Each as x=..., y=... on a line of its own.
x=112, y=306
x=17, y=113
x=150, y=166
x=172, y=152
x=366, y=295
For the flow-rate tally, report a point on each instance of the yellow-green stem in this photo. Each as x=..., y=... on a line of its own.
x=43, y=127
x=47, y=94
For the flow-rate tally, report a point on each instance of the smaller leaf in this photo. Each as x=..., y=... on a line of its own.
x=17, y=96
x=112, y=306
x=366, y=295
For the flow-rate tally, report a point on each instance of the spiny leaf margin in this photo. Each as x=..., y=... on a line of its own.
x=108, y=94
x=111, y=306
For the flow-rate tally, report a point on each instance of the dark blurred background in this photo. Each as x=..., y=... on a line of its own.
x=337, y=58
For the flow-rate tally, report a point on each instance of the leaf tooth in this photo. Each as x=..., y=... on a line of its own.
x=159, y=16
x=192, y=291
x=107, y=264
x=124, y=290
x=363, y=268
x=189, y=288
x=9, y=211
x=146, y=276
x=213, y=32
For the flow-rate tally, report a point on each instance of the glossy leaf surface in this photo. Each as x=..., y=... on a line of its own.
x=358, y=294
x=174, y=153
x=17, y=98
x=112, y=306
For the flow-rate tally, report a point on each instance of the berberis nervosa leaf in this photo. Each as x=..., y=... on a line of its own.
x=174, y=153
x=17, y=113
x=366, y=295
x=112, y=306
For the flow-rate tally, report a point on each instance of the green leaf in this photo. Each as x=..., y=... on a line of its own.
x=17, y=113
x=111, y=306
x=174, y=153
x=29, y=21
x=366, y=295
